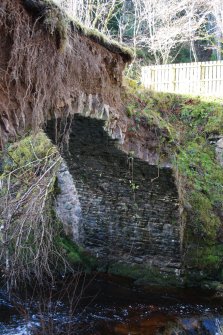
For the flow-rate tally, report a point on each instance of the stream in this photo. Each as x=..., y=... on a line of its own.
x=108, y=305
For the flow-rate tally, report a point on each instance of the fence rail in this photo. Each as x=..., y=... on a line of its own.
x=200, y=78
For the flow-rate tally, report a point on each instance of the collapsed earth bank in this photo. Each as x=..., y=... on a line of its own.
x=123, y=207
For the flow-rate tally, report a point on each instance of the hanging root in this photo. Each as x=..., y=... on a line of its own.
x=50, y=66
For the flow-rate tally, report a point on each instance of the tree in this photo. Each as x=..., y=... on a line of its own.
x=163, y=26
x=95, y=14
x=217, y=27
x=159, y=27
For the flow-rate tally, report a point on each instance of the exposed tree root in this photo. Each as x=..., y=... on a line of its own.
x=47, y=67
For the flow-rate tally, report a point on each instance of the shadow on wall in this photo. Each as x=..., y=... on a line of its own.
x=130, y=209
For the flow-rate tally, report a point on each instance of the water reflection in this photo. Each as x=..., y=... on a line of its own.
x=110, y=308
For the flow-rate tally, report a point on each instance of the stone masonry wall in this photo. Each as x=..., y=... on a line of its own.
x=130, y=210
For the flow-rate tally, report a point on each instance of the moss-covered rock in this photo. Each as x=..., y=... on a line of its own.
x=145, y=275
x=76, y=255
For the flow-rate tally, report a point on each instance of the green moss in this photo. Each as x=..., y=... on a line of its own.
x=206, y=222
x=144, y=275
x=23, y=162
x=75, y=254
x=126, y=53
x=204, y=263
x=183, y=125
x=30, y=150
x=113, y=46
x=203, y=182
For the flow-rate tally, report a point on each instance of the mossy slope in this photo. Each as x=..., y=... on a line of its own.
x=187, y=129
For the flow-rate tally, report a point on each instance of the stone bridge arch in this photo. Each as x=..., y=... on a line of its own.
x=124, y=211
x=50, y=71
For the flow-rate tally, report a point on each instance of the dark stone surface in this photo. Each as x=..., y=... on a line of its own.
x=119, y=224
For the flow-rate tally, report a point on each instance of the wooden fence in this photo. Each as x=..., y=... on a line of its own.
x=200, y=78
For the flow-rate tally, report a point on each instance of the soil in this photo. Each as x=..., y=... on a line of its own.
x=40, y=78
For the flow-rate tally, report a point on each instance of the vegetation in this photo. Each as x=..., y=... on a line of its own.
x=32, y=240
x=57, y=23
x=30, y=237
x=144, y=275
x=75, y=254
x=161, y=31
x=186, y=127
x=28, y=224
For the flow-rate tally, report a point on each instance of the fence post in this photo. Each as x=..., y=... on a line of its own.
x=202, y=79
x=173, y=79
x=147, y=76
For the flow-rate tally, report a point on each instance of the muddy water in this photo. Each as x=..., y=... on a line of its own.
x=113, y=306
